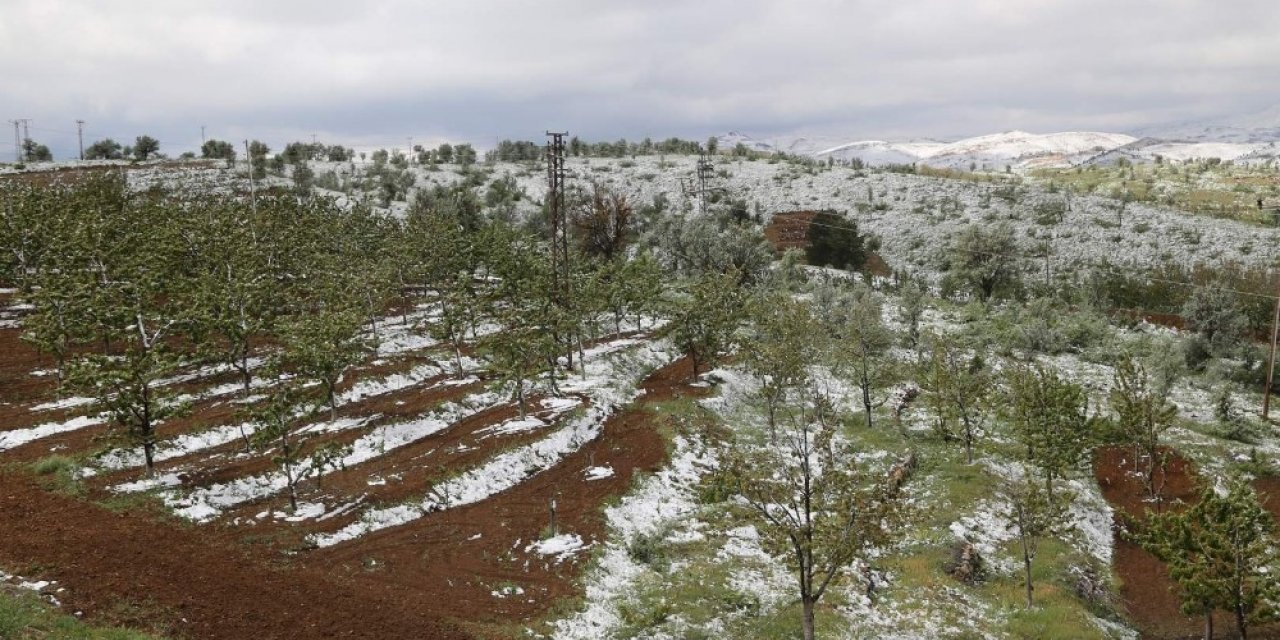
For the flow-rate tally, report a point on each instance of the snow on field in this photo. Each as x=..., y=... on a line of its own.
x=64, y=403
x=562, y=547
x=186, y=444
x=498, y=474
x=598, y=473
x=660, y=501
x=206, y=503
x=609, y=383
x=18, y=437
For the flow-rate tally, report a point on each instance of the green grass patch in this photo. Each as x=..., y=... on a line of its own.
x=26, y=616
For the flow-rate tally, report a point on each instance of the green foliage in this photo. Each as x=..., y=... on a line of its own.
x=808, y=501
x=218, y=149
x=1048, y=417
x=1033, y=515
x=1221, y=552
x=1215, y=314
x=958, y=389
x=144, y=147
x=24, y=615
x=273, y=422
x=1143, y=415
x=33, y=151
x=834, y=241
x=105, y=149
x=704, y=317
x=984, y=261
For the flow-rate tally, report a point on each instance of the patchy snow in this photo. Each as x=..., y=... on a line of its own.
x=18, y=437
x=609, y=383
x=205, y=503
x=563, y=546
x=661, y=499
x=598, y=473
x=65, y=403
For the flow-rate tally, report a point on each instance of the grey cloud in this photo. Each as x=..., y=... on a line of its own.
x=379, y=71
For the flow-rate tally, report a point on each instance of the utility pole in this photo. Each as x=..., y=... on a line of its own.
x=80, y=136
x=17, y=140
x=253, y=195
x=202, y=140
x=17, y=144
x=1275, y=332
x=561, y=281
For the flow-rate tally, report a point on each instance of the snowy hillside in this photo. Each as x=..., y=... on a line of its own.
x=1258, y=127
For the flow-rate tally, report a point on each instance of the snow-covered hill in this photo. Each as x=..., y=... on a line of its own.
x=1015, y=148
x=1253, y=128
x=1251, y=137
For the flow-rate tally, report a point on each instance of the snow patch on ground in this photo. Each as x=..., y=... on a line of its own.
x=563, y=546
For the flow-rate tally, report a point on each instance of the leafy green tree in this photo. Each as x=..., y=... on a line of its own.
x=105, y=149
x=258, y=159
x=958, y=389
x=144, y=147
x=809, y=502
x=464, y=154
x=1142, y=416
x=33, y=151
x=57, y=322
x=984, y=261
x=1216, y=315
x=704, y=317
x=321, y=344
x=911, y=299
x=445, y=153
x=834, y=241
x=273, y=431
x=1033, y=515
x=218, y=150
x=1222, y=554
x=602, y=223
x=1049, y=419
x=863, y=342
x=783, y=335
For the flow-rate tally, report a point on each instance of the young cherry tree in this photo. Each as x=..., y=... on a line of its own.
x=273, y=431
x=863, y=342
x=703, y=319
x=1049, y=419
x=783, y=336
x=1222, y=554
x=811, y=505
x=1143, y=415
x=322, y=345
x=958, y=389
x=1033, y=515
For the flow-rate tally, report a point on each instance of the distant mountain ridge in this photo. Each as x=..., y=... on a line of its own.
x=1244, y=138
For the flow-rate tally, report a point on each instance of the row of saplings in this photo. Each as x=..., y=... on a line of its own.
x=128, y=289
x=800, y=481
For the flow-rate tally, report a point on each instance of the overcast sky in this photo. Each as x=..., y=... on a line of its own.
x=374, y=72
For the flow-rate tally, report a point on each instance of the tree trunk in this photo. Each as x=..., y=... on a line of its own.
x=808, y=618
x=1026, y=565
x=148, y=452
x=1208, y=623
x=1240, y=621
x=333, y=405
x=520, y=397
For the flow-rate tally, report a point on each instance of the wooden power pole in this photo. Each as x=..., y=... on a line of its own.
x=80, y=136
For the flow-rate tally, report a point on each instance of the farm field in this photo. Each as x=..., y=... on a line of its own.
x=357, y=399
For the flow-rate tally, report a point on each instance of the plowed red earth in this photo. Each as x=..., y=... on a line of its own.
x=419, y=580
x=1149, y=596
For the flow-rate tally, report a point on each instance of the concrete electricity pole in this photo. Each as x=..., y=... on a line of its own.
x=80, y=136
